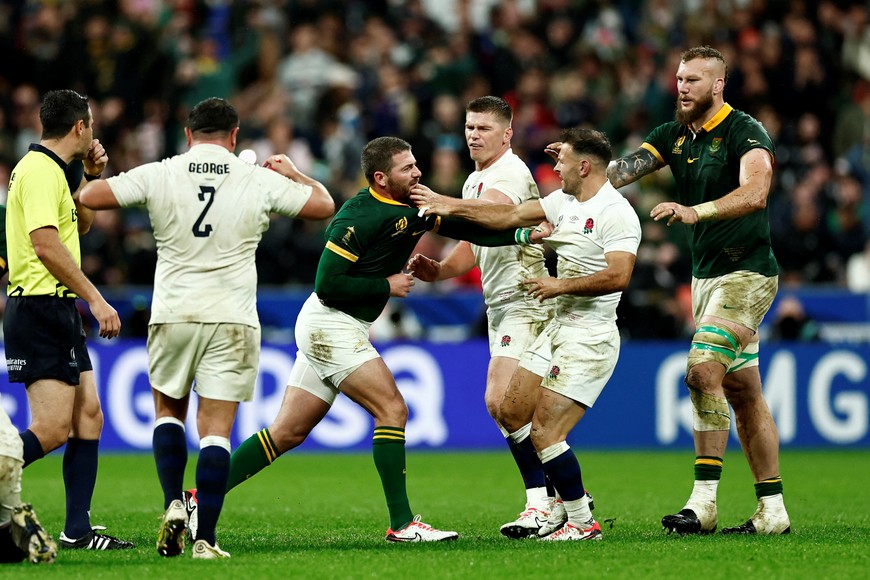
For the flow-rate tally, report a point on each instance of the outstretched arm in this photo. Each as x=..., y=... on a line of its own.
x=489, y=215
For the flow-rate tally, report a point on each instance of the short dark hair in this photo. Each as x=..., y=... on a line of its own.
x=213, y=115
x=60, y=110
x=378, y=153
x=490, y=104
x=705, y=52
x=588, y=142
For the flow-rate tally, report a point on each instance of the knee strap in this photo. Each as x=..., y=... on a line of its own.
x=713, y=342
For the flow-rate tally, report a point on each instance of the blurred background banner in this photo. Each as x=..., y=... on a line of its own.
x=819, y=395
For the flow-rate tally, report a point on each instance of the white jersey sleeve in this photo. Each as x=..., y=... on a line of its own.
x=208, y=210
x=503, y=269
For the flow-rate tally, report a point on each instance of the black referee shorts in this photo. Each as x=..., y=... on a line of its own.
x=44, y=339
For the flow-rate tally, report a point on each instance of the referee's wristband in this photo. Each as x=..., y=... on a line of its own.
x=523, y=236
x=92, y=177
x=706, y=211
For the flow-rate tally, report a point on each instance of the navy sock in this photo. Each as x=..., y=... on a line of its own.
x=528, y=462
x=32, y=447
x=564, y=471
x=170, y=456
x=212, y=472
x=79, y=478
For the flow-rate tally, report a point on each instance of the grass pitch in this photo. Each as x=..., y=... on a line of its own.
x=323, y=516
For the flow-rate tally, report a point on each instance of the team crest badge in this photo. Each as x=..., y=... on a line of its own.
x=402, y=225
x=506, y=341
x=554, y=373
x=714, y=146
x=678, y=146
x=587, y=228
x=479, y=188
x=347, y=235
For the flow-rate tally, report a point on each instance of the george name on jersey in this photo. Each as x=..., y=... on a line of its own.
x=218, y=168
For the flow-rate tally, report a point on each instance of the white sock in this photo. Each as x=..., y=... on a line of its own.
x=536, y=497
x=772, y=503
x=704, y=493
x=579, y=514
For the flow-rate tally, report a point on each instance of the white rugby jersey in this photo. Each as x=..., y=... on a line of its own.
x=208, y=211
x=504, y=268
x=584, y=233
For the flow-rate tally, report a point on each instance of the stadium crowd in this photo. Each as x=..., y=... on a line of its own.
x=316, y=79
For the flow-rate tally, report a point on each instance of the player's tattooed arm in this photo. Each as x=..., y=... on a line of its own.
x=631, y=167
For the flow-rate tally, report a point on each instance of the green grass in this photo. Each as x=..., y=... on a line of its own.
x=323, y=516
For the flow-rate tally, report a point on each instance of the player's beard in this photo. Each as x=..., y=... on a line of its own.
x=699, y=108
x=399, y=191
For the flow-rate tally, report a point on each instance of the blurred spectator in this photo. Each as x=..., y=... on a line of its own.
x=316, y=78
x=791, y=323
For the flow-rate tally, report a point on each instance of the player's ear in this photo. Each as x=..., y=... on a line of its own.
x=381, y=178
x=508, y=133
x=234, y=135
x=188, y=135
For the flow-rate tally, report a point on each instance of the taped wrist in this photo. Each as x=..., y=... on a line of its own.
x=706, y=211
x=523, y=236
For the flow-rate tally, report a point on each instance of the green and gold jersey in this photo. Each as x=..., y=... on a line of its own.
x=706, y=166
x=371, y=238
x=38, y=197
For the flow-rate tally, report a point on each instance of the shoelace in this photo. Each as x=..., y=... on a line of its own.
x=419, y=524
x=529, y=511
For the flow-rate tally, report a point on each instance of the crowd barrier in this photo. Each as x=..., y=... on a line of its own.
x=818, y=395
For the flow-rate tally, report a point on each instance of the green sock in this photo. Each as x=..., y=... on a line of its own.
x=770, y=486
x=388, y=449
x=708, y=468
x=255, y=453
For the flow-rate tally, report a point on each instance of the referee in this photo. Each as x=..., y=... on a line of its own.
x=45, y=341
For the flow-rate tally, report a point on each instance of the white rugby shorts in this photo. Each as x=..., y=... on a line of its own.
x=514, y=327
x=221, y=358
x=332, y=345
x=574, y=361
x=742, y=297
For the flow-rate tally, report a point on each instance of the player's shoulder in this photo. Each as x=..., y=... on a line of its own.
x=667, y=129
x=747, y=132
x=614, y=199
x=510, y=164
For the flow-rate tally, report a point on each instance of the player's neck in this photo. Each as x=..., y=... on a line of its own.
x=590, y=187
x=709, y=114
x=481, y=165
x=385, y=194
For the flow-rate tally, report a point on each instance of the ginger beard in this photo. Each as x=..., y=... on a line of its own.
x=698, y=109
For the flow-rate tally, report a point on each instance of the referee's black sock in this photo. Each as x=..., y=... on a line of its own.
x=32, y=447
x=80, y=460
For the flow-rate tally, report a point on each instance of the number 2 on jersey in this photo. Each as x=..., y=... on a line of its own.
x=206, y=194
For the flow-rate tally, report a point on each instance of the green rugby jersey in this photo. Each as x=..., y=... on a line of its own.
x=706, y=166
x=370, y=238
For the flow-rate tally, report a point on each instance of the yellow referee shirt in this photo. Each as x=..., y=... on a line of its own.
x=38, y=197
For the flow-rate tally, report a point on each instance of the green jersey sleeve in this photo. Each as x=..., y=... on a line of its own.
x=460, y=229
x=333, y=282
